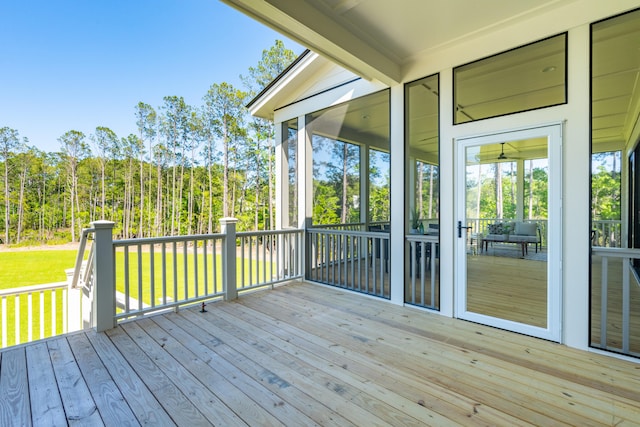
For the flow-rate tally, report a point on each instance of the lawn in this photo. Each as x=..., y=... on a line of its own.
x=25, y=268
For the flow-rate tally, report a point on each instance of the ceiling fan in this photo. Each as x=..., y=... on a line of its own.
x=503, y=156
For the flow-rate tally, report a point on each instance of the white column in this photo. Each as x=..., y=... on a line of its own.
x=448, y=220
x=305, y=181
x=104, y=286
x=282, y=179
x=520, y=190
x=228, y=227
x=576, y=195
x=364, y=185
x=397, y=187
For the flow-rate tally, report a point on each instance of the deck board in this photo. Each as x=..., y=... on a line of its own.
x=304, y=354
x=14, y=403
x=46, y=405
x=79, y=405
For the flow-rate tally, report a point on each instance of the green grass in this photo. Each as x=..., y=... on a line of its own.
x=25, y=268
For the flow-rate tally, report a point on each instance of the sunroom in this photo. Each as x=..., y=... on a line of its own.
x=481, y=146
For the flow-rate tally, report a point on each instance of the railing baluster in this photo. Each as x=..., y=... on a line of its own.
x=29, y=317
x=264, y=264
x=205, y=266
x=412, y=269
x=164, y=273
x=250, y=260
x=42, y=322
x=175, y=272
x=139, y=277
x=152, y=276
x=185, y=267
x=126, y=279
x=271, y=241
x=339, y=256
x=603, y=302
x=54, y=321
x=383, y=264
x=65, y=311
x=195, y=267
x=4, y=321
x=368, y=262
x=16, y=318
x=214, y=256
x=242, y=263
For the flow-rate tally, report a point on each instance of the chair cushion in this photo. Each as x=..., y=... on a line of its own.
x=526, y=228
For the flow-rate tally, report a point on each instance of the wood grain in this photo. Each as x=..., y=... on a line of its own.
x=304, y=354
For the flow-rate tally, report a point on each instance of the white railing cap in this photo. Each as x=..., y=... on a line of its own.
x=103, y=224
x=228, y=220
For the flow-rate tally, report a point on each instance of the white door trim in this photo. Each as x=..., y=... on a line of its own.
x=553, y=133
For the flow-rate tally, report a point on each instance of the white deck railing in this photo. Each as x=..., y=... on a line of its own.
x=615, y=312
x=141, y=276
x=33, y=312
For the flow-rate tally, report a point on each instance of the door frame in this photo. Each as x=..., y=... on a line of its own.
x=553, y=133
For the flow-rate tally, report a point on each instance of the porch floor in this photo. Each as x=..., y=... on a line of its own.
x=305, y=354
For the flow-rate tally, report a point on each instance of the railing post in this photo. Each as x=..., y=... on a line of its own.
x=104, y=292
x=228, y=227
x=307, y=249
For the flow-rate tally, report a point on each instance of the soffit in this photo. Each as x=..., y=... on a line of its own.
x=377, y=39
x=616, y=80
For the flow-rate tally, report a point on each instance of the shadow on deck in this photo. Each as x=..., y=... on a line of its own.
x=304, y=354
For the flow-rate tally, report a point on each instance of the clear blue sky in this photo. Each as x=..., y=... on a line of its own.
x=78, y=64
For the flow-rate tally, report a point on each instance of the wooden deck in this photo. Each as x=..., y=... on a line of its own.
x=310, y=355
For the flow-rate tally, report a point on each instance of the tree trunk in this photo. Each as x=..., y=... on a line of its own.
x=479, y=192
x=173, y=197
x=420, y=189
x=23, y=178
x=7, y=204
x=530, y=213
x=158, y=200
x=210, y=222
x=343, y=216
x=498, y=185
x=225, y=172
x=141, y=225
x=271, y=160
x=431, y=168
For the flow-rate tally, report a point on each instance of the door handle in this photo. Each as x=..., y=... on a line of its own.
x=460, y=227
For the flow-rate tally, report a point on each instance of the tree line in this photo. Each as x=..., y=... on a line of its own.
x=184, y=168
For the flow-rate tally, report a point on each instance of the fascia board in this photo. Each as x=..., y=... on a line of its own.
x=306, y=25
x=260, y=106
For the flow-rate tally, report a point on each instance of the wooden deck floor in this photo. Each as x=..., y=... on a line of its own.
x=310, y=355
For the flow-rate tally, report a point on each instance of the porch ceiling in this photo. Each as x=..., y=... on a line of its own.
x=377, y=39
